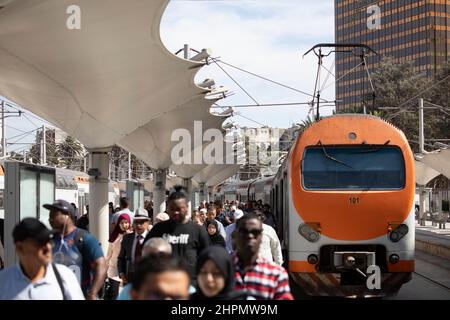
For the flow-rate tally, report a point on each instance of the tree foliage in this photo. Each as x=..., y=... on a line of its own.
x=400, y=85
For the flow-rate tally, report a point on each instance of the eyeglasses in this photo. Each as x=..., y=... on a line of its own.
x=140, y=221
x=254, y=232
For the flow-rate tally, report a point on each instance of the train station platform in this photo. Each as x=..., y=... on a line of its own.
x=433, y=240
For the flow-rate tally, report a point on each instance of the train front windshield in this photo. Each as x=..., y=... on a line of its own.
x=353, y=168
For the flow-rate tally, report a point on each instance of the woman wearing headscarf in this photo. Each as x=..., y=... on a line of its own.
x=213, y=231
x=215, y=275
x=114, y=243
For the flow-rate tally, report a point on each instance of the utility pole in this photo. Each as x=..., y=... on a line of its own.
x=421, y=128
x=187, y=52
x=129, y=166
x=3, y=131
x=43, y=147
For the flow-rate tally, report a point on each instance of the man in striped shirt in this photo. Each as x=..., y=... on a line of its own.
x=257, y=277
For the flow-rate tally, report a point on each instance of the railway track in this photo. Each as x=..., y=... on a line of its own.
x=443, y=286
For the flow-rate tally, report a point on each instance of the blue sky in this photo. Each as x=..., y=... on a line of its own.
x=266, y=37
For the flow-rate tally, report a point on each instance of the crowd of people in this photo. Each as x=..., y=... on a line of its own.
x=220, y=251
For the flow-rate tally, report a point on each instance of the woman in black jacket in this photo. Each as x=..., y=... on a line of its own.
x=215, y=276
x=213, y=231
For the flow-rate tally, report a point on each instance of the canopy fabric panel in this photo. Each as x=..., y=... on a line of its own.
x=153, y=142
x=226, y=173
x=99, y=83
x=424, y=173
x=438, y=160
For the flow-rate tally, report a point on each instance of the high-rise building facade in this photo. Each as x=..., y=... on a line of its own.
x=407, y=30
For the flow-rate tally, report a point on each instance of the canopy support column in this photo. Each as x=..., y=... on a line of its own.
x=203, y=191
x=159, y=192
x=422, y=193
x=98, y=195
x=187, y=185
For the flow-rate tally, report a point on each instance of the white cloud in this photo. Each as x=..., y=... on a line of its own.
x=265, y=37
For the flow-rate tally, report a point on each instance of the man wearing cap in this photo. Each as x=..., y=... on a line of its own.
x=131, y=247
x=238, y=213
x=77, y=249
x=35, y=277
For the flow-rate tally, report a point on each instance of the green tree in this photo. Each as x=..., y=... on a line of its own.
x=70, y=154
x=399, y=86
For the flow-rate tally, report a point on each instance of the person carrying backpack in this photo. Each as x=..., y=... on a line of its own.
x=77, y=249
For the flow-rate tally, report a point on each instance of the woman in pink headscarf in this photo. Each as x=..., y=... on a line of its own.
x=115, y=240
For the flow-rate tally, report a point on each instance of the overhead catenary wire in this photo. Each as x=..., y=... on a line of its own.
x=25, y=133
x=237, y=83
x=18, y=108
x=240, y=115
x=264, y=78
x=34, y=124
x=344, y=75
x=11, y=127
x=328, y=103
x=423, y=91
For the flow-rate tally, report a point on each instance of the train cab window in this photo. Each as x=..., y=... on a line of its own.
x=353, y=168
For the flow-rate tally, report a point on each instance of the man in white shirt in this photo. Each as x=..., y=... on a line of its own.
x=270, y=245
x=35, y=277
x=238, y=213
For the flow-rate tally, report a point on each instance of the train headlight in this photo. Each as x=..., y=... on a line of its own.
x=309, y=233
x=398, y=233
x=313, y=259
x=394, y=258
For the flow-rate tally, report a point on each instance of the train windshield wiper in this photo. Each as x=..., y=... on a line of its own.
x=373, y=150
x=332, y=158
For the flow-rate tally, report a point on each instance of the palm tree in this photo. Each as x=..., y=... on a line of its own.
x=305, y=124
x=71, y=153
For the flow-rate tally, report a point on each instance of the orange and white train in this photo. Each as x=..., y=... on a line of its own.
x=343, y=200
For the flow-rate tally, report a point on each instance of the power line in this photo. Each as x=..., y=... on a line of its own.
x=34, y=124
x=240, y=115
x=14, y=128
x=423, y=91
x=18, y=108
x=245, y=91
x=273, y=105
x=266, y=79
x=25, y=133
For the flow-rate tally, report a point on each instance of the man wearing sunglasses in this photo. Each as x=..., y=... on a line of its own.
x=35, y=276
x=132, y=245
x=256, y=276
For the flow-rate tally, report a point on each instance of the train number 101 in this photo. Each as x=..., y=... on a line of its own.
x=354, y=200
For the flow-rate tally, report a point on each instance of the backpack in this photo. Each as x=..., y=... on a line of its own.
x=79, y=241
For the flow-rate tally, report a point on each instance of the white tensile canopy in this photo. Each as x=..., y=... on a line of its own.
x=438, y=160
x=424, y=173
x=153, y=142
x=104, y=84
